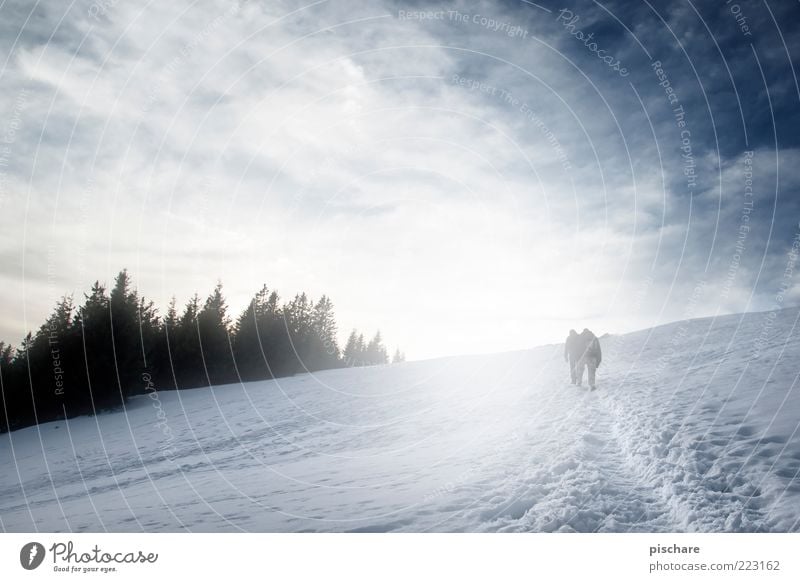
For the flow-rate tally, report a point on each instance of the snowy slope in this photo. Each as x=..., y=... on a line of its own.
x=694, y=427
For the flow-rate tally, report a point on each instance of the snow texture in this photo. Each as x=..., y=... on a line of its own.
x=693, y=427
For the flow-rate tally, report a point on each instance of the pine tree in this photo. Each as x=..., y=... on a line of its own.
x=91, y=358
x=324, y=348
x=161, y=359
x=213, y=330
x=98, y=387
x=399, y=357
x=189, y=317
x=15, y=392
x=171, y=320
x=361, y=350
x=5, y=376
x=24, y=347
x=376, y=352
x=351, y=353
x=262, y=345
x=297, y=319
x=127, y=333
x=246, y=345
x=184, y=346
x=44, y=368
x=6, y=354
x=150, y=335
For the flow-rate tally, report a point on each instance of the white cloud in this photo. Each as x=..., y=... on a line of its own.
x=328, y=149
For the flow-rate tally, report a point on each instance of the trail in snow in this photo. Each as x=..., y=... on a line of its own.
x=688, y=431
x=586, y=484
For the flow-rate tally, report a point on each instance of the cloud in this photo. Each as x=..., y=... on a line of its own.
x=458, y=186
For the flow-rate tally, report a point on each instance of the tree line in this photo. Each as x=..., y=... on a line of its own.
x=90, y=358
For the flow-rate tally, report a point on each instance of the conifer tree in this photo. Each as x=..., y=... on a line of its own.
x=161, y=360
x=6, y=354
x=376, y=352
x=185, y=348
x=213, y=333
x=351, y=353
x=246, y=346
x=324, y=348
x=361, y=351
x=129, y=351
x=99, y=387
x=297, y=318
x=92, y=358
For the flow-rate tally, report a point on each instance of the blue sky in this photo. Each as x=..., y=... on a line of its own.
x=467, y=177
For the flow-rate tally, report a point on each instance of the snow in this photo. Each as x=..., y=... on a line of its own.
x=693, y=427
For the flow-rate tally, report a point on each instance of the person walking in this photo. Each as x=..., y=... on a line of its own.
x=590, y=357
x=572, y=353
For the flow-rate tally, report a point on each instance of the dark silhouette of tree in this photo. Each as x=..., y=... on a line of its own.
x=161, y=362
x=87, y=359
x=213, y=336
x=134, y=326
x=297, y=317
x=351, y=351
x=357, y=353
x=6, y=357
x=273, y=340
x=323, y=348
x=99, y=386
x=248, y=346
x=16, y=407
x=36, y=378
x=151, y=330
x=6, y=354
x=187, y=362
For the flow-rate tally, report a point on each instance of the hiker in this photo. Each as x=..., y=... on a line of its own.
x=590, y=357
x=572, y=353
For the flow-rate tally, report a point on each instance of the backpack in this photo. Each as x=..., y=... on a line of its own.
x=593, y=350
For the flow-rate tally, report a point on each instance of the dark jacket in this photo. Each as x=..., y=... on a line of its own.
x=592, y=347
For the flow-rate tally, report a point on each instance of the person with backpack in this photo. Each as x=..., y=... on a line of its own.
x=590, y=357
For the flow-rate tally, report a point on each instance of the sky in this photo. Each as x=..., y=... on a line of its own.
x=467, y=177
